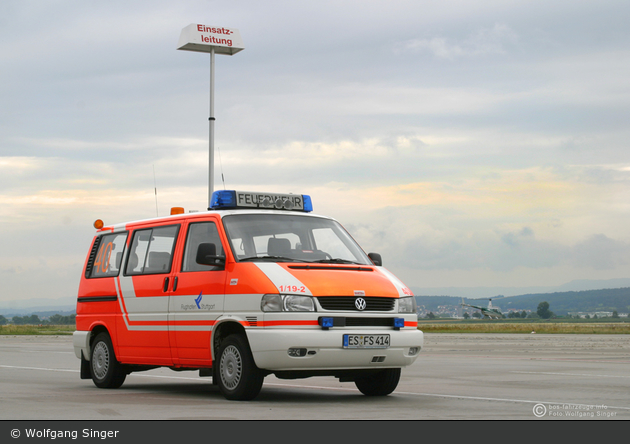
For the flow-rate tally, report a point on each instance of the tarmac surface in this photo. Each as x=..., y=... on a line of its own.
x=457, y=377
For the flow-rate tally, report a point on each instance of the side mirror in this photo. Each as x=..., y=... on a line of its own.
x=376, y=258
x=207, y=255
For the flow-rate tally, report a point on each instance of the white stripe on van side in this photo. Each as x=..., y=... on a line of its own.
x=282, y=279
x=136, y=309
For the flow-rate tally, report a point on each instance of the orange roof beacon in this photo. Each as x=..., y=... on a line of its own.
x=256, y=285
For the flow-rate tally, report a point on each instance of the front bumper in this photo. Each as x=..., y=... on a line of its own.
x=325, y=351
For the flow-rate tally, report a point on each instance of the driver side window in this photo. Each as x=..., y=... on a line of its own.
x=198, y=233
x=326, y=240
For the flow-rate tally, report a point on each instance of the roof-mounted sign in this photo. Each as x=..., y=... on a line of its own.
x=202, y=38
x=231, y=199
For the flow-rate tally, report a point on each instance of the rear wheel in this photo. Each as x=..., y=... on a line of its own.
x=106, y=371
x=379, y=384
x=238, y=377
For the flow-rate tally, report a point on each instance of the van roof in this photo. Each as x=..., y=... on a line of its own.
x=200, y=214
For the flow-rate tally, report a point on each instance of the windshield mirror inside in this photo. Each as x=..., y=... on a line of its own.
x=291, y=238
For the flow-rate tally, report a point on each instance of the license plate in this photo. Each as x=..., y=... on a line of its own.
x=365, y=341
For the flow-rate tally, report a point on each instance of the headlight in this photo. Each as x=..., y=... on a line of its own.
x=288, y=302
x=271, y=302
x=298, y=303
x=407, y=305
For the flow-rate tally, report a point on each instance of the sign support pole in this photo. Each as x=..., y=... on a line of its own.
x=213, y=40
x=211, y=120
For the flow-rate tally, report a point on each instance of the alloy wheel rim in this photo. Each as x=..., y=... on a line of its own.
x=231, y=367
x=100, y=360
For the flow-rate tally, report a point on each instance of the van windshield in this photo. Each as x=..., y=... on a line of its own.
x=291, y=238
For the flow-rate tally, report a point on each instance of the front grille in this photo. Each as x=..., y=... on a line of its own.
x=339, y=303
x=369, y=322
x=360, y=322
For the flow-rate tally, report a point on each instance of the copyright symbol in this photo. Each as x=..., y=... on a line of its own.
x=540, y=410
x=15, y=433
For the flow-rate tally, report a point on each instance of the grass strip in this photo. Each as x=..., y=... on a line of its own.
x=528, y=327
x=9, y=330
x=427, y=327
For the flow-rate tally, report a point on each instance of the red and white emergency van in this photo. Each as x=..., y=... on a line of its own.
x=256, y=285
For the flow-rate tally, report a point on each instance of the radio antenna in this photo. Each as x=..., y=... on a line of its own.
x=221, y=166
x=155, y=188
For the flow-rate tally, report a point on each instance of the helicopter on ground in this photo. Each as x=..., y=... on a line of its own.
x=488, y=312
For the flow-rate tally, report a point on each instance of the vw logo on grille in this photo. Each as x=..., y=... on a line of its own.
x=360, y=303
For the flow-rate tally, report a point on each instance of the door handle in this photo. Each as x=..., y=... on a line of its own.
x=165, y=288
x=175, y=283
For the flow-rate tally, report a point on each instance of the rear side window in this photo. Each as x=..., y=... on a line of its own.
x=151, y=250
x=106, y=255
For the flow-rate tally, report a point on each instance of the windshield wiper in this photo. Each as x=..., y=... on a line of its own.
x=336, y=261
x=270, y=258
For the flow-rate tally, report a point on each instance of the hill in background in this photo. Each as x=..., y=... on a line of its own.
x=561, y=303
x=490, y=292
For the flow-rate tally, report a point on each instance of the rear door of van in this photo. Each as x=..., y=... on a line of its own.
x=145, y=286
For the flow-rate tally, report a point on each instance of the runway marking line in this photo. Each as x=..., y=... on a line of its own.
x=529, y=359
x=525, y=401
x=39, y=368
x=435, y=395
x=570, y=374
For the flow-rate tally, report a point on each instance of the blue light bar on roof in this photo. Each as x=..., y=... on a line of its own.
x=230, y=199
x=223, y=199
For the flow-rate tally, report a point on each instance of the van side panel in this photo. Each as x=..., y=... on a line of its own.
x=97, y=303
x=247, y=278
x=194, y=308
x=143, y=326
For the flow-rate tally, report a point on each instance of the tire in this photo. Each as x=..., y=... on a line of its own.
x=105, y=369
x=238, y=377
x=379, y=384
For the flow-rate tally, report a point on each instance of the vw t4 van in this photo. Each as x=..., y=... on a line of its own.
x=256, y=285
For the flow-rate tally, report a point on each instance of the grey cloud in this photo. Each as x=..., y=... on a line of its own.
x=439, y=248
x=600, y=252
x=484, y=41
x=514, y=239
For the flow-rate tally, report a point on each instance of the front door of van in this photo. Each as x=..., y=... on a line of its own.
x=197, y=296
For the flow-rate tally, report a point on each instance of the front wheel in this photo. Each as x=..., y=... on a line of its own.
x=379, y=384
x=238, y=377
x=105, y=370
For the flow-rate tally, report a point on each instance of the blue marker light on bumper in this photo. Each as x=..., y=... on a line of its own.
x=326, y=322
x=399, y=322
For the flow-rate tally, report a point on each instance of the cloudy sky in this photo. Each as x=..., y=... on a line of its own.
x=470, y=143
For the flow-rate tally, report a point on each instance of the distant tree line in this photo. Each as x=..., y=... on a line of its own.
x=517, y=314
x=33, y=319
x=542, y=312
